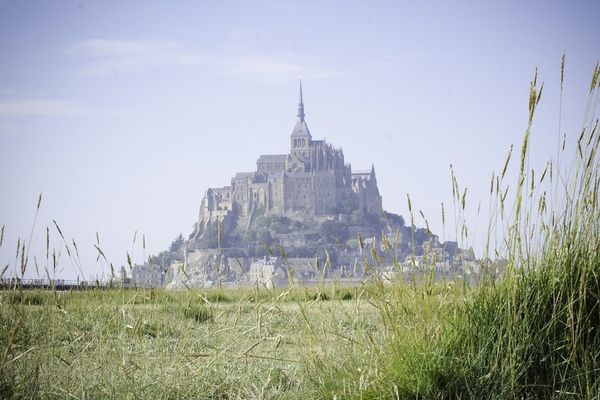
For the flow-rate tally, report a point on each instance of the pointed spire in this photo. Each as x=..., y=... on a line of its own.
x=372, y=170
x=301, y=105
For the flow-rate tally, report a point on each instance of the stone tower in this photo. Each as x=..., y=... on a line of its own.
x=301, y=138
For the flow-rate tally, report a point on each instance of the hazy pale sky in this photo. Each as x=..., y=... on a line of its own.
x=124, y=113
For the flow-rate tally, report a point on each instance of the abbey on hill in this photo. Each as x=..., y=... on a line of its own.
x=313, y=179
x=289, y=218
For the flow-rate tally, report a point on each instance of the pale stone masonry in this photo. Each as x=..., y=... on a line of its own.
x=313, y=179
x=146, y=276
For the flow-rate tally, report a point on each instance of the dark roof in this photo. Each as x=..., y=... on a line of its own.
x=272, y=158
x=301, y=129
x=244, y=175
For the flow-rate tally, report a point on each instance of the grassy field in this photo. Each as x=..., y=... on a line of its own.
x=532, y=334
x=296, y=343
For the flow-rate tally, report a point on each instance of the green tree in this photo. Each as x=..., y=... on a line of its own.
x=209, y=239
x=264, y=238
x=334, y=231
x=395, y=219
x=176, y=244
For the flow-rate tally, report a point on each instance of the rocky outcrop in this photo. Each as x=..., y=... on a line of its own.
x=196, y=271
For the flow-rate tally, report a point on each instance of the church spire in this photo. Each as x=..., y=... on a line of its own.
x=300, y=131
x=301, y=105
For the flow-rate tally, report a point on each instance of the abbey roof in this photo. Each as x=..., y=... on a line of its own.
x=272, y=158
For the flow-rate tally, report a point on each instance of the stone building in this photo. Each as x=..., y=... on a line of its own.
x=293, y=239
x=147, y=276
x=301, y=268
x=267, y=272
x=312, y=179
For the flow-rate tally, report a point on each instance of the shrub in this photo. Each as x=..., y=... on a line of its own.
x=199, y=313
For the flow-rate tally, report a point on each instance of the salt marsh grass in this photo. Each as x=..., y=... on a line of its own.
x=535, y=333
x=255, y=344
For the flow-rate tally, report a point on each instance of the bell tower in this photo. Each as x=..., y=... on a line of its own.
x=300, y=138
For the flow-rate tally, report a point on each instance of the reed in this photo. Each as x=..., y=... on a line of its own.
x=535, y=333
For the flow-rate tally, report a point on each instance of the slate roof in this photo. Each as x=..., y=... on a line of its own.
x=244, y=175
x=300, y=129
x=272, y=158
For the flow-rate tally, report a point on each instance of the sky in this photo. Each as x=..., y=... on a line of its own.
x=122, y=113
